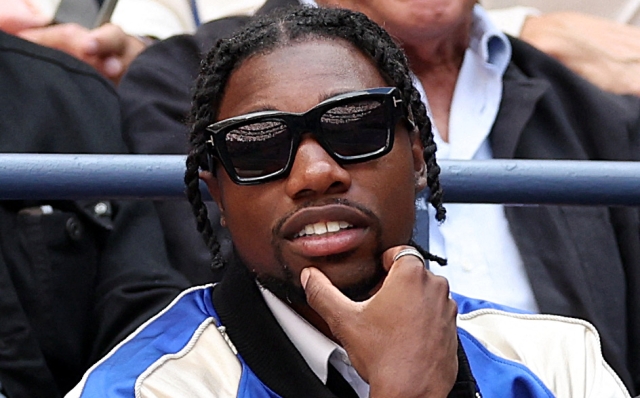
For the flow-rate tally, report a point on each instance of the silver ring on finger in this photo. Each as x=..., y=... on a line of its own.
x=408, y=252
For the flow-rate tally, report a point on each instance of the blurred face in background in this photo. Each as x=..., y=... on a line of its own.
x=413, y=21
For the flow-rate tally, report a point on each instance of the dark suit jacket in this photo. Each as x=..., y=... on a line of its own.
x=75, y=281
x=582, y=262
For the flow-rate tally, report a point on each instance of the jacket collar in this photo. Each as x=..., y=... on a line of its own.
x=269, y=353
x=524, y=91
x=259, y=338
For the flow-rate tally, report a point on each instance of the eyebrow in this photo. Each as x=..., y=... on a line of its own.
x=332, y=94
x=323, y=97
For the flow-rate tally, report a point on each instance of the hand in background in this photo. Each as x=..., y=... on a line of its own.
x=604, y=52
x=107, y=48
x=403, y=340
x=16, y=15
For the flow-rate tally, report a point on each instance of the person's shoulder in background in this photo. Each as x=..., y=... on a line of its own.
x=55, y=98
x=76, y=275
x=156, y=96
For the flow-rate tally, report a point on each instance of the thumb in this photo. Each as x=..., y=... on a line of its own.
x=324, y=297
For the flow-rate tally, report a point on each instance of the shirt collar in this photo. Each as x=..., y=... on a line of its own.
x=315, y=347
x=488, y=41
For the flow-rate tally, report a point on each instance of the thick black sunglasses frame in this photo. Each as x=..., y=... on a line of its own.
x=307, y=123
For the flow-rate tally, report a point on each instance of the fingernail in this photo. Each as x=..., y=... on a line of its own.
x=304, y=277
x=113, y=66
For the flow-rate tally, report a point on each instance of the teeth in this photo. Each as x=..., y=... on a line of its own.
x=321, y=228
x=333, y=226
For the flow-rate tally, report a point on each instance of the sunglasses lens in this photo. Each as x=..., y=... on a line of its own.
x=357, y=129
x=260, y=148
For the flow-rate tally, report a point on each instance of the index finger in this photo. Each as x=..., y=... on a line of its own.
x=408, y=254
x=108, y=39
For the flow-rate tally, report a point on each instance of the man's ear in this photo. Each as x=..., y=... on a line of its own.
x=419, y=165
x=213, y=187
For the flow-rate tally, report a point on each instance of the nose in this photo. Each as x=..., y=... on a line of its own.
x=315, y=172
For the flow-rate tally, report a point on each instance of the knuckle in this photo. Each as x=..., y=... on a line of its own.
x=441, y=282
x=454, y=308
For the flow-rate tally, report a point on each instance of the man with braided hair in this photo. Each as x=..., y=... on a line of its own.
x=491, y=97
x=325, y=293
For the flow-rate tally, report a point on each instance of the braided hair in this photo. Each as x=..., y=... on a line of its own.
x=277, y=30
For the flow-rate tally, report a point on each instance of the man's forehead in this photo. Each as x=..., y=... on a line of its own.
x=296, y=77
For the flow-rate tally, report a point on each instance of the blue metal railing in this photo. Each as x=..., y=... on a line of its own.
x=53, y=177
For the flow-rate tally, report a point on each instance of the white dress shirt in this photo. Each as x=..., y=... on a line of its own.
x=316, y=348
x=484, y=261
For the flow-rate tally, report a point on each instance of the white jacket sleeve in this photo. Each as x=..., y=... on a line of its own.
x=564, y=353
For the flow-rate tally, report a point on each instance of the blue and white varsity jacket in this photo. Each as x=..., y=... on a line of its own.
x=184, y=351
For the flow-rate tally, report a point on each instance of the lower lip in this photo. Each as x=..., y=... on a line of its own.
x=329, y=244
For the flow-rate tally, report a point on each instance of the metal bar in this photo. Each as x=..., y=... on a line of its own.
x=58, y=177
x=541, y=182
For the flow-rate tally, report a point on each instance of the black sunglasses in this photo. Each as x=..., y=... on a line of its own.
x=352, y=128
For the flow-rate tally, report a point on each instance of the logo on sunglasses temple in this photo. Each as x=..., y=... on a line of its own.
x=396, y=101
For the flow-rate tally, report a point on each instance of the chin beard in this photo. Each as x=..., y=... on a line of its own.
x=283, y=288
x=286, y=290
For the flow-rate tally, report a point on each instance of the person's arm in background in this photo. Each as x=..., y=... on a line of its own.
x=605, y=52
x=155, y=94
x=109, y=48
x=16, y=15
x=75, y=276
x=134, y=278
